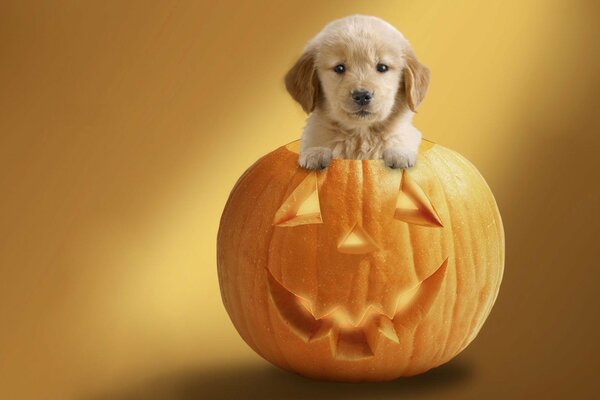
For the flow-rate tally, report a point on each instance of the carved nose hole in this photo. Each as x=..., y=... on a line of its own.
x=357, y=241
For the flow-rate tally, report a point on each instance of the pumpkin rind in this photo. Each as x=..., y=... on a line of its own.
x=264, y=263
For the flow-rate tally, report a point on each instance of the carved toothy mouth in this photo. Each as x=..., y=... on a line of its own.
x=356, y=339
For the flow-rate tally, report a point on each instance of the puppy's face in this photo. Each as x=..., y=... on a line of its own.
x=360, y=78
x=358, y=70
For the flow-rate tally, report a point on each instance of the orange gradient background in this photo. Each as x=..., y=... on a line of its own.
x=123, y=126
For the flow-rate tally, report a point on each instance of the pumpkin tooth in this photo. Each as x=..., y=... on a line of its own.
x=321, y=311
x=385, y=326
x=343, y=318
x=382, y=327
x=356, y=316
x=325, y=328
x=353, y=345
x=372, y=335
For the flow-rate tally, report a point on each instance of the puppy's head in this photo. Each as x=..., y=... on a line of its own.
x=359, y=70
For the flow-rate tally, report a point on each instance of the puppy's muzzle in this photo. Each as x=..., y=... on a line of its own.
x=362, y=97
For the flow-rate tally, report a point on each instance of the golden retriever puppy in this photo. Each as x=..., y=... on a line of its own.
x=360, y=83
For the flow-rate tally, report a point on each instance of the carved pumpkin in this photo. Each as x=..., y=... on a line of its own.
x=360, y=272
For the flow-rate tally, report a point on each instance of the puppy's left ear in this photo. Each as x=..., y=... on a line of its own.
x=302, y=81
x=416, y=80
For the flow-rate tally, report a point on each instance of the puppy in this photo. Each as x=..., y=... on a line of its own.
x=360, y=83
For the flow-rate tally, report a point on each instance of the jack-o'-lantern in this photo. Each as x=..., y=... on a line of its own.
x=360, y=272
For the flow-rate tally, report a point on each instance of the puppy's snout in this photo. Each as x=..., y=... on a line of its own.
x=362, y=97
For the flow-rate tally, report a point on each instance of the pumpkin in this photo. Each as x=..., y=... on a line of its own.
x=359, y=272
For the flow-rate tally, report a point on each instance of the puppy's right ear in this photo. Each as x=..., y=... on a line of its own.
x=302, y=81
x=416, y=80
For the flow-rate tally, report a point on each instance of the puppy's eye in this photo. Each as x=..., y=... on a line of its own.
x=339, y=69
x=382, y=68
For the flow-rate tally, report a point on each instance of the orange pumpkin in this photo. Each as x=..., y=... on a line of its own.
x=360, y=272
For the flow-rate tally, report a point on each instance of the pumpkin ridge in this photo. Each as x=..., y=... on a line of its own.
x=286, y=193
x=414, y=327
x=451, y=330
x=468, y=241
x=451, y=252
x=284, y=159
x=257, y=281
x=255, y=169
x=451, y=247
x=496, y=213
x=476, y=316
x=269, y=244
x=497, y=220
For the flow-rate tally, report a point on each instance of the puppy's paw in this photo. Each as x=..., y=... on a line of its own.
x=399, y=158
x=315, y=158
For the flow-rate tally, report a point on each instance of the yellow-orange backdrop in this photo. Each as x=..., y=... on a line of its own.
x=123, y=126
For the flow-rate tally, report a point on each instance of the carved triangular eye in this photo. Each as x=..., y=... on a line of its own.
x=413, y=206
x=302, y=206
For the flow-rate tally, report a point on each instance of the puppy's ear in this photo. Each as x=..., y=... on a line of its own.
x=416, y=80
x=302, y=81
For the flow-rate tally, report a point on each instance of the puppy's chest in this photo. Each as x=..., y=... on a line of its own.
x=359, y=147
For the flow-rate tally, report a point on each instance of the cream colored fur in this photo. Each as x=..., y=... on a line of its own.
x=333, y=128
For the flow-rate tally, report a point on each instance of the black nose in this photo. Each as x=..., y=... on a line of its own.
x=362, y=97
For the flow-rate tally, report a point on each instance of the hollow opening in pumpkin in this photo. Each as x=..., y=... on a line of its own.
x=354, y=340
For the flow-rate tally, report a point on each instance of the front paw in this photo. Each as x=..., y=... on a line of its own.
x=399, y=158
x=315, y=158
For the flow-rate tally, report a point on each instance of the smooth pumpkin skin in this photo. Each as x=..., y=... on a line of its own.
x=465, y=256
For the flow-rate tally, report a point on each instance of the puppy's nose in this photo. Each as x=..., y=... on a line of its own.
x=362, y=97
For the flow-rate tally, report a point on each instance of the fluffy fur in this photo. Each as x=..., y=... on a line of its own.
x=338, y=127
